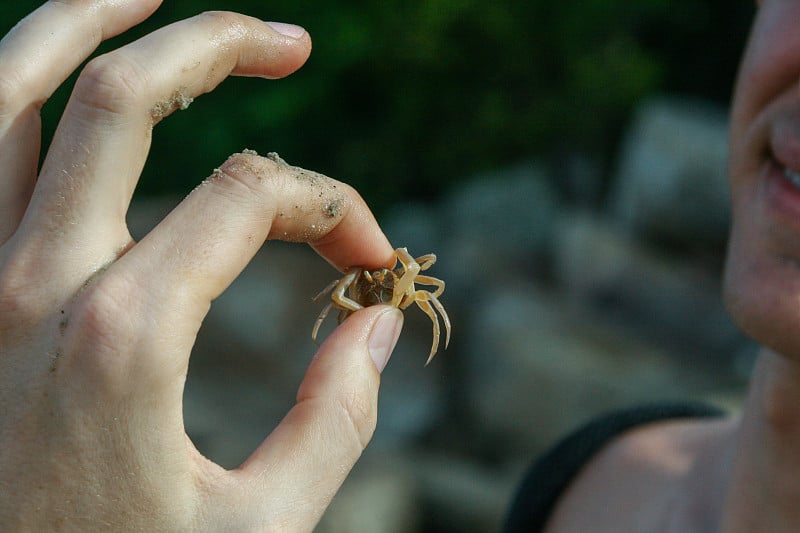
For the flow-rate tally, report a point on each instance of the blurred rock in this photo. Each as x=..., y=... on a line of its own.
x=509, y=210
x=460, y=495
x=669, y=299
x=579, y=178
x=535, y=367
x=416, y=226
x=412, y=401
x=496, y=224
x=672, y=178
x=374, y=500
x=228, y=413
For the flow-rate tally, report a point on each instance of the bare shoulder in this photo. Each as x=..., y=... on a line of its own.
x=641, y=478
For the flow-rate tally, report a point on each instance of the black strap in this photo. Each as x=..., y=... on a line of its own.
x=550, y=475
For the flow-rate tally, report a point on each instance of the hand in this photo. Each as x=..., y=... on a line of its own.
x=96, y=330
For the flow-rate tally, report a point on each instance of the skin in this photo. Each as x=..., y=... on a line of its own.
x=737, y=475
x=96, y=329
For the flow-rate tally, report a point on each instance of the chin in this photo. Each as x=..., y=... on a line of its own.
x=762, y=294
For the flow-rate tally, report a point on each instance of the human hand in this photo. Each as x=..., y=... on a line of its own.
x=96, y=330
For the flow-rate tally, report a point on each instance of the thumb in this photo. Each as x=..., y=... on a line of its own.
x=309, y=454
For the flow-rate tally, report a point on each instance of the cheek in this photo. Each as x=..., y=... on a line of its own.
x=771, y=63
x=762, y=291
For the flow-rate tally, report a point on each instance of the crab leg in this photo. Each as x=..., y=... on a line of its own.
x=436, y=282
x=338, y=297
x=343, y=314
x=320, y=319
x=326, y=290
x=425, y=306
x=406, y=282
x=423, y=298
x=446, y=319
x=426, y=261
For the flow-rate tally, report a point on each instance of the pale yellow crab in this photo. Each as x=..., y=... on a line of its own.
x=361, y=288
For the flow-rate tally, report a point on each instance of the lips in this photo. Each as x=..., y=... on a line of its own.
x=784, y=142
x=793, y=176
x=784, y=165
x=782, y=187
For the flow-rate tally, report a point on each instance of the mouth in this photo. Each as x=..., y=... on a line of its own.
x=782, y=184
x=784, y=149
x=783, y=154
x=792, y=176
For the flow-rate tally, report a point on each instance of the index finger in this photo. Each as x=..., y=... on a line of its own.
x=327, y=214
x=210, y=237
x=356, y=239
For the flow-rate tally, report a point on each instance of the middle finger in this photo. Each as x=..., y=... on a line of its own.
x=102, y=141
x=36, y=57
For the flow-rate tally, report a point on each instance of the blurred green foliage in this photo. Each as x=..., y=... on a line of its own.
x=403, y=98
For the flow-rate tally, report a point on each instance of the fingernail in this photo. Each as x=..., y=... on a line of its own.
x=289, y=30
x=384, y=336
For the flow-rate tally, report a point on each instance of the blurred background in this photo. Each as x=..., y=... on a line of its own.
x=565, y=161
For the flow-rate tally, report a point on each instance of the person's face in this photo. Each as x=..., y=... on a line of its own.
x=762, y=281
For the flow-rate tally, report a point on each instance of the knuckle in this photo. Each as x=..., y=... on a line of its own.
x=100, y=327
x=24, y=299
x=220, y=21
x=98, y=311
x=111, y=83
x=18, y=307
x=250, y=173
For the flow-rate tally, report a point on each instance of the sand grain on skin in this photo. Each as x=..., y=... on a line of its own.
x=176, y=101
x=323, y=205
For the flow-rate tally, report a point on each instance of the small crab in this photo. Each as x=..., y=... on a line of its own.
x=361, y=288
